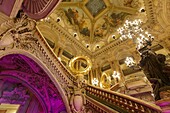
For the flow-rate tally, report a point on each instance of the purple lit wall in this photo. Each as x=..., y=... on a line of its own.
x=23, y=82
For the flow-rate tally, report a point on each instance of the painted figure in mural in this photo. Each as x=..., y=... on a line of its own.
x=113, y=20
x=101, y=30
x=74, y=17
x=132, y=3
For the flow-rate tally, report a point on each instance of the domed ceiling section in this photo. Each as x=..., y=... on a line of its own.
x=95, y=22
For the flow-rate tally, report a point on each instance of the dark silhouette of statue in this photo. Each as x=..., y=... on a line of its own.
x=155, y=69
x=153, y=65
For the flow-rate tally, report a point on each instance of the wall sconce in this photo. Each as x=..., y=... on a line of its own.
x=95, y=82
x=129, y=62
x=116, y=76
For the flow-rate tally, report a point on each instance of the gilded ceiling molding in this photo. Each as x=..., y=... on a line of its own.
x=52, y=35
x=71, y=48
x=110, y=47
x=162, y=12
x=150, y=10
x=38, y=9
x=69, y=38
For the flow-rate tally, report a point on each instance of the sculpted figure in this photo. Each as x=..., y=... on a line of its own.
x=21, y=30
x=153, y=64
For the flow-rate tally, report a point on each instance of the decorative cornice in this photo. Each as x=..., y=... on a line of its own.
x=69, y=37
x=150, y=11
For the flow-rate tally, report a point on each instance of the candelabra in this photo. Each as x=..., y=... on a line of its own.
x=133, y=30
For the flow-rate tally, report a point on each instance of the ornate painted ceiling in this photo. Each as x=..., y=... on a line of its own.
x=95, y=22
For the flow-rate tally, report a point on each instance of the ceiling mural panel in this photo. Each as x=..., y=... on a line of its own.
x=132, y=3
x=108, y=24
x=78, y=19
x=95, y=6
x=95, y=22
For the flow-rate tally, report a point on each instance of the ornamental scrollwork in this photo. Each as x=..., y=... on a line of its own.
x=18, y=33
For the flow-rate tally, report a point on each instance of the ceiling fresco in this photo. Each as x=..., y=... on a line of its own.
x=95, y=22
x=76, y=17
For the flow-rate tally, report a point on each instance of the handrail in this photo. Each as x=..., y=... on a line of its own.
x=121, y=102
x=53, y=56
x=98, y=107
x=114, y=100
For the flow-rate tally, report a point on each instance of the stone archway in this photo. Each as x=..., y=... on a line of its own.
x=15, y=91
x=19, y=69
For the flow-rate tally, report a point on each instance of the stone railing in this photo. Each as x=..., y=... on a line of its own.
x=98, y=107
x=105, y=100
x=120, y=102
x=51, y=58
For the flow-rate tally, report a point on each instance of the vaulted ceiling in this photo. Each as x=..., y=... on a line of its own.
x=94, y=23
x=89, y=27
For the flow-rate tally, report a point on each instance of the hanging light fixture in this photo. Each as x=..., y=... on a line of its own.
x=133, y=30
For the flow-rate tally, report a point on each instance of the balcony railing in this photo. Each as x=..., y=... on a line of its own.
x=120, y=102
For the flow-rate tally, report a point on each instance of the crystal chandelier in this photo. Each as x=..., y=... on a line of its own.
x=129, y=62
x=133, y=30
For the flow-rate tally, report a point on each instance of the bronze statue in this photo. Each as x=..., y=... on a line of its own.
x=155, y=69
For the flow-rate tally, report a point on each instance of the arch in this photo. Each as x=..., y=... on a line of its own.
x=69, y=47
x=122, y=52
x=18, y=80
x=105, y=81
x=40, y=8
x=41, y=65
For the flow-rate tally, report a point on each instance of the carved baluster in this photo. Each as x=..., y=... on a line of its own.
x=100, y=94
x=140, y=108
x=113, y=99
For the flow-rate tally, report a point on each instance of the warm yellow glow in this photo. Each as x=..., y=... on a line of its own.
x=79, y=58
x=105, y=81
x=10, y=108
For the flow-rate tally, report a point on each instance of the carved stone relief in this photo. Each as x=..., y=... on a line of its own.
x=18, y=34
x=39, y=81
